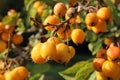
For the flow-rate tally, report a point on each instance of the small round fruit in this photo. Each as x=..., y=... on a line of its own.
x=22, y=72
x=48, y=50
x=91, y=19
x=60, y=9
x=101, y=53
x=5, y=36
x=2, y=77
x=3, y=46
x=17, y=39
x=2, y=27
x=51, y=19
x=111, y=69
x=78, y=36
x=97, y=63
x=54, y=40
x=36, y=4
x=12, y=75
x=113, y=52
x=104, y=13
x=35, y=54
x=100, y=76
x=63, y=54
x=99, y=27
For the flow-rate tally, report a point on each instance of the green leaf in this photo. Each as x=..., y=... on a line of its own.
x=95, y=46
x=11, y=20
x=37, y=77
x=69, y=74
x=84, y=72
x=90, y=36
x=37, y=68
x=92, y=76
x=28, y=3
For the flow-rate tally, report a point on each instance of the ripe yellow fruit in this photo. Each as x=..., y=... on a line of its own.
x=100, y=76
x=35, y=54
x=12, y=75
x=99, y=27
x=111, y=69
x=78, y=36
x=39, y=4
x=71, y=2
x=22, y=72
x=91, y=19
x=62, y=54
x=17, y=39
x=3, y=46
x=54, y=40
x=60, y=9
x=108, y=41
x=11, y=12
x=9, y=28
x=104, y=13
x=2, y=77
x=48, y=50
x=51, y=19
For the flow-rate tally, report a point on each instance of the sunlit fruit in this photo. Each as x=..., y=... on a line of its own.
x=17, y=39
x=97, y=63
x=91, y=19
x=60, y=9
x=35, y=54
x=5, y=36
x=100, y=76
x=37, y=4
x=2, y=77
x=62, y=54
x=104, y=13
x=111, y=69
x=22, y=72
x=2, y=27
x=99, y=27
x=113, y=52
x=48, y=50
x=51, y=19
x=54, y=40
x=12, y=75
x=78, y=36
x=101, y=53
x=3, y=46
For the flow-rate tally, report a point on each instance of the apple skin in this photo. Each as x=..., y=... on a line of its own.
x=113, y=53
x=97, y=63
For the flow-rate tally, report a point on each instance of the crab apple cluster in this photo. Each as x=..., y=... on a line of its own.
x=52, y=49
x=18, y=73
x=107, y=63
x=6, y=34
x=97, y=21
x=56, y=47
